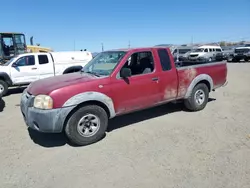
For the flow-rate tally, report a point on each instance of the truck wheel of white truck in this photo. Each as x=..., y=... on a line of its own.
x=3, y=88
x=198, y=98
x=87, y=125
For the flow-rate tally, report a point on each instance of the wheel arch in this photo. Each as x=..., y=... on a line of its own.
x=202, y=78
x=95, y=98
x=72, y=69
x=5, y=77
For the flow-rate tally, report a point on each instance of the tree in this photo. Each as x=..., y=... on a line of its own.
x=222, y=43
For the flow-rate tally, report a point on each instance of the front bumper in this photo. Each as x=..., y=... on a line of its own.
x=50, y=121
x=241, y=56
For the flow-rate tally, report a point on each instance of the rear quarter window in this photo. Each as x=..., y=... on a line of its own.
x=43, y=59
x=164, y=59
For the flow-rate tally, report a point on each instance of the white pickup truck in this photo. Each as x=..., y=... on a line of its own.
x=26, y=68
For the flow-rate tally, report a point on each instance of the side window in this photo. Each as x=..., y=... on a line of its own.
x=43, y=59
x=210, y=49
x=26, y=61
x=218, y=50
x=164, y=59
x=140, y=63
x=206, y=50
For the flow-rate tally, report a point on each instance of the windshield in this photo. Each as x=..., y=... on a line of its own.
x=20, y=42
x=104, y=63
x=199, y=50
x=183, y=51
x=9, y=62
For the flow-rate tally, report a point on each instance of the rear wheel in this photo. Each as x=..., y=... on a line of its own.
x=3, y=88
x=198, y=98
x=87, y=125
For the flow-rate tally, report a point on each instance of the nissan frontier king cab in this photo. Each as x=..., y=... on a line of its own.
x=114, y=83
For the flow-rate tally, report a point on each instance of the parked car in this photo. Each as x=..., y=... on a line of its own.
x=241, y=53
x=81, y=104
x=205, y=53
x=180, y=51
x=226, y=54
x=26, y=68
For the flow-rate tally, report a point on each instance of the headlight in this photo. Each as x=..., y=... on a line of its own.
x=43, y=102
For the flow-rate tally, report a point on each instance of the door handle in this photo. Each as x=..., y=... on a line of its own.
x=155, y=79
x=33, y=68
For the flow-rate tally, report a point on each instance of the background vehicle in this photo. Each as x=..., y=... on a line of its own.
x=116, y=82
x=241, y=53
x=11, y=44
x=205, y=53
x=37, y=48
x=26, y=68
x=180, y=51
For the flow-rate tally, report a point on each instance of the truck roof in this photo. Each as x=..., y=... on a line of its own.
x=138, y=48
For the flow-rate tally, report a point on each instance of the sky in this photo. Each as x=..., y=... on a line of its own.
x=79, y=24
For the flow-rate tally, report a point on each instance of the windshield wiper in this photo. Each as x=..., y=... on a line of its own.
x=93, y=73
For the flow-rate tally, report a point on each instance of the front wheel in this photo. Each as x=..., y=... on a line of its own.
x=3, y=88
x=87, y=125
x=198, y=99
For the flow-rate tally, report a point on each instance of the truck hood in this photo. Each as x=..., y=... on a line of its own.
x=197, y=53
x=4, y=69
x=47, y=85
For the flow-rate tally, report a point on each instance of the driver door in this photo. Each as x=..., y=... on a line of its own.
x=25, y=70
x=139, y=91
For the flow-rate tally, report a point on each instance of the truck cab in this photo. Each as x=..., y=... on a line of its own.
x=11, y=44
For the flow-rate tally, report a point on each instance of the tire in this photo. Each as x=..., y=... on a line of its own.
x=192, y=104
x=3, y=88
x=74, y=129
x=234, y=60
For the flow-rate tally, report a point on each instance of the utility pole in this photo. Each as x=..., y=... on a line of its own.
x=102, y=47
x=129, y=44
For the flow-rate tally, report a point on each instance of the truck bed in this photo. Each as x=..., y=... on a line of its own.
x=188, y=71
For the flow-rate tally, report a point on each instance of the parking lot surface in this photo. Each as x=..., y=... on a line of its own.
x=159, y=147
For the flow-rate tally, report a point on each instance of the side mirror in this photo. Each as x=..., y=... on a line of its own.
x=14, y=65
x=125, y=72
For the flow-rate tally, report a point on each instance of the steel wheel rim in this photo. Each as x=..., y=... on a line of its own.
x=199, y=97
x=1, y=88
x=88, y=125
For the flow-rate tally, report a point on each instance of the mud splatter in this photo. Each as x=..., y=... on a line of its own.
x=170, y=93
x=188, y=76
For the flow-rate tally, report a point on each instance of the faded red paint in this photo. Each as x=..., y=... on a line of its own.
x=140, y=92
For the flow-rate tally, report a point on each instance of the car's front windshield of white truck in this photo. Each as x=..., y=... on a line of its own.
x=199, y=50
x=104, y=63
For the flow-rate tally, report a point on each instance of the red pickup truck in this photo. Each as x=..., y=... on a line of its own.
x=116, y=82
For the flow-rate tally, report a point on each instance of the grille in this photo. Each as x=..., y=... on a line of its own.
x=194, y=55
x=241, y=51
